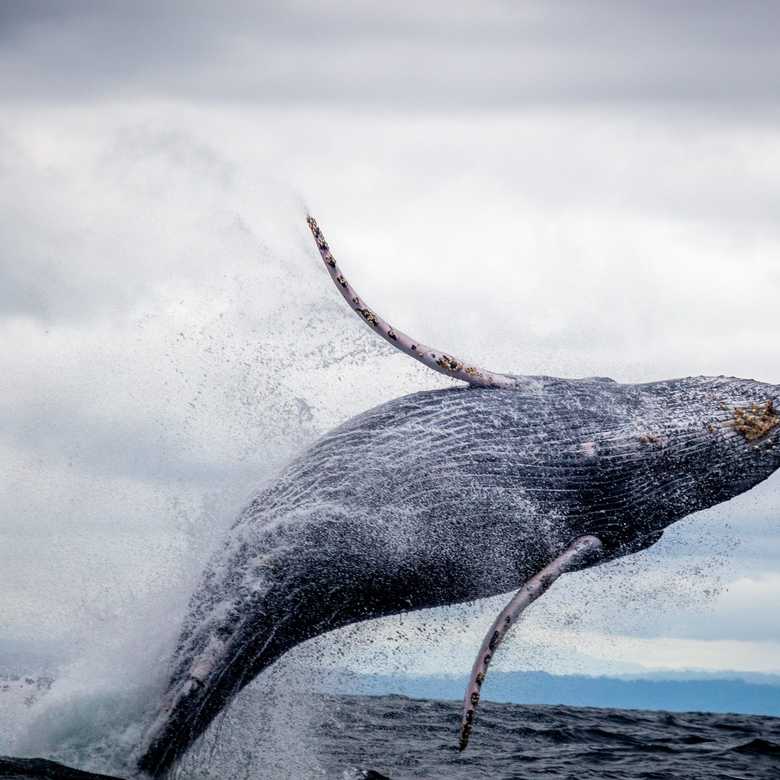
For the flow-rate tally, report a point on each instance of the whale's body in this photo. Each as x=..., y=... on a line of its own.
x=447, y=496
x=451, y=495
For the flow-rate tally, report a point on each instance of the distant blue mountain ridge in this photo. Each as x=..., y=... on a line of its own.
x=748, y=694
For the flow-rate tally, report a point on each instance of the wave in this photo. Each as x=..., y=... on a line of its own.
x=397, y=738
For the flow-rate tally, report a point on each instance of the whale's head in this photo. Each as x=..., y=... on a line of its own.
x=727, y=436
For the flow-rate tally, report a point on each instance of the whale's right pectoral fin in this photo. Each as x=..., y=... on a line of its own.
x=578, y=552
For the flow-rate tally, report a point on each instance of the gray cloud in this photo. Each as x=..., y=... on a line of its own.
x=505, y=180
x=425, y=56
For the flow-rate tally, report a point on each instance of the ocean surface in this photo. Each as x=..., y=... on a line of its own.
x=400, y=738
x=375, y=737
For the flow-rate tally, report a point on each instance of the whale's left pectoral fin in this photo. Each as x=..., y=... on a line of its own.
x=578, y=552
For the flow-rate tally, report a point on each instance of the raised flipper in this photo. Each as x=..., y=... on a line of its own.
x=578, y=551
x=439, y=361
x=42, y=769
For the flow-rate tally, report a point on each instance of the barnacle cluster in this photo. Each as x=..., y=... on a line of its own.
x=368, y=316
x=756, y=421
x=450, y=363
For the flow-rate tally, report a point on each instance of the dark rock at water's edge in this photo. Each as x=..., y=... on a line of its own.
x=41, y=769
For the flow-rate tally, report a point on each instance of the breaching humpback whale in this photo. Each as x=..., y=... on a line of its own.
x=447, y=496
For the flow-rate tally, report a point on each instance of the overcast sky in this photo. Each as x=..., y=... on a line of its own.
x=573, y=189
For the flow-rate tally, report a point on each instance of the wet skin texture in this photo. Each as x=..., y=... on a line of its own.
x=451, y=495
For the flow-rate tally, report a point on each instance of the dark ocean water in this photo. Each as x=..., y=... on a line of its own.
x=376, y=737
x=403, y=738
